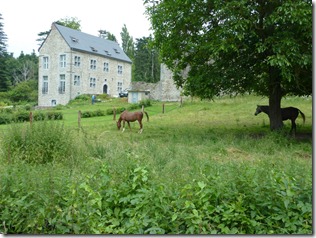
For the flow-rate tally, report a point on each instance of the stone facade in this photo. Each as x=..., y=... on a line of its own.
x=165, y=90
x=66, y=72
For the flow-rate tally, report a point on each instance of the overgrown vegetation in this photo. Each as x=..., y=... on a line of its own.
x=203, y=168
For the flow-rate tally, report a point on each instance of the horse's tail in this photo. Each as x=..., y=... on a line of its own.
x=302, y=114
x=147, y=115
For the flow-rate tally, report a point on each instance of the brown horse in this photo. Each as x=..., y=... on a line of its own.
x=128, y=117
x=288, y=113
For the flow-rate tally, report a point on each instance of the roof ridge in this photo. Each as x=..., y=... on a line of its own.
x=81, y=41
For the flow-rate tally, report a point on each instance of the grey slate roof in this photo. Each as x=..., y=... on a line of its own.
x=81, y=41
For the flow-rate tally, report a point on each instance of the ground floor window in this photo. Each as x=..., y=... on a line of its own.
x=92, y=82
x=62, y=83
x=45, y=85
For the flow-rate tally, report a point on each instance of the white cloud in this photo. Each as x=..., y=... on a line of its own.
x=23, y=20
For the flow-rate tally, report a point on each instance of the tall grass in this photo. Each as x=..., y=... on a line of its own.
x=203, y=168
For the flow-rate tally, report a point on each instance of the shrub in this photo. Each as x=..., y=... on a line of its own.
x=43, y=142
x=5, y=118
x=21, y=116
x=145, y=103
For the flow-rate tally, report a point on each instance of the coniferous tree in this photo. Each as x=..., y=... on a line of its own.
x=107, y=35
x=147, y=65
x=127, y=43
x=4, y=80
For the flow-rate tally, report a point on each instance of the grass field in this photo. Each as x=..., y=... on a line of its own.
x=206, y=167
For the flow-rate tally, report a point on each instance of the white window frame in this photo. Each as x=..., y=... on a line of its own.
x=77, y=80
x=77, y=61
x=92, y=82
x=93, y=64
x=45, y=85
x=62, y=61
x=45, y=62
x=106, y=67
x=62, y=84
x=119, y=87
x=120, y=69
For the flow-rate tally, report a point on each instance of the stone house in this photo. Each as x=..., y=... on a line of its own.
x=72, y=63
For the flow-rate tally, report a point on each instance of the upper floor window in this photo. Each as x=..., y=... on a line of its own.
x=45, y=85
x=45, y=62
x=93, y=64
x=62, y=61
x=106, y=67
x=62, y=83
x=120, y=69
x=77, y=61
x=77, y=80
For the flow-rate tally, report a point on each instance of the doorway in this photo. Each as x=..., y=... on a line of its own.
x=105, y=89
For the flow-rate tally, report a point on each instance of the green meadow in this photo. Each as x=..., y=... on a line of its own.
x=203, y=167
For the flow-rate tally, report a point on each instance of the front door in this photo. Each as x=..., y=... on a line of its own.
x=134, y=97
x=105, y=89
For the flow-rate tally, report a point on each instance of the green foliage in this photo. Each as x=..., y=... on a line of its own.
x=40, y=143
x=10, y=115
x=147, y=64
x=25, y=91
x=236, y=46
x=257, y=203
x=203, y=168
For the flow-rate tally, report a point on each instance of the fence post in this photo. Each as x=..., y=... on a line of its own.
x=142, y=108
x=180, y=101
x=79, y=119
x=114, y=114
x=163, y=108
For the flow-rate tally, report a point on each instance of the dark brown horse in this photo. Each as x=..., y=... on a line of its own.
x=288, y=113
x=128, y=117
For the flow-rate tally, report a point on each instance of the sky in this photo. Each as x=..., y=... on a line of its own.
x=24, y=19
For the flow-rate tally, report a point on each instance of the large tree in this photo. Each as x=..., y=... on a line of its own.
x=147, y=65
x=237, y=46
x=127, y=43
x=107, y=35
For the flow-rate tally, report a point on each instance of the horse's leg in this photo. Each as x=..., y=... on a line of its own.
x=141, y=127
x=123, y=126
x=293, y=127
x=129, y=126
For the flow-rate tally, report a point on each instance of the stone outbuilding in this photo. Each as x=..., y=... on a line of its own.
x=164, y=90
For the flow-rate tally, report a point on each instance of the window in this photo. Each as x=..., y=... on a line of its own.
x=62, y=84
x=45, y=62
x=45, y=85
x=93, y=64
x=120, y=69
x=93, y=49
x=92, y=82
x=76, y=80
x=119, y=87
x=62, y=61
x=77, y=61
x=74, y=39
x=106, y=67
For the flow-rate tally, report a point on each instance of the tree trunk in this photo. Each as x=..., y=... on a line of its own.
x=275, y=97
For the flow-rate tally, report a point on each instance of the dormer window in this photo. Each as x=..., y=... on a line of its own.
x=116, y=51
x=93, y=49
x=75, y=40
